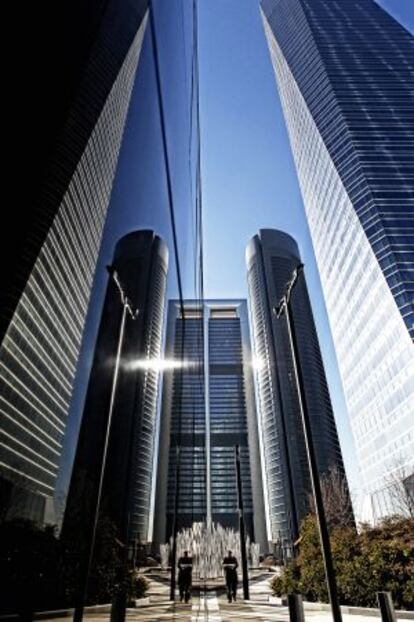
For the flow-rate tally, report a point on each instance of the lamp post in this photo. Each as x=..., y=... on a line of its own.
x=133, y=314
x=241, y=527
x=284, y=307
x=174, y=528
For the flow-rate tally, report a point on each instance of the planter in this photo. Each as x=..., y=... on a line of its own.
x=142, y=602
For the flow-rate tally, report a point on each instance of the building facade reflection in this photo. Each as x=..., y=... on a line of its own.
x=141, y=265
x=47, y=291
x=208, y=408
x=271, y=258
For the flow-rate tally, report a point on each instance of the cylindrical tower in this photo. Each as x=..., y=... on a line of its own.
x=271, y=258
x=141, y=264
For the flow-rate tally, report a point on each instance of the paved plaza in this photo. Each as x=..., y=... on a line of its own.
x=210, y=605
x=214, y=608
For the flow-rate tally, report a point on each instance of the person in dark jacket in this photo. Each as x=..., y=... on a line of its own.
x=185, y=569
x=230, y=565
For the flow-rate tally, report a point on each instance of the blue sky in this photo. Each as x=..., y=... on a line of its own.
x=249, y=179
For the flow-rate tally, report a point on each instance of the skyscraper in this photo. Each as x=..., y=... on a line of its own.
x=141, y=264
x=208, y=408
x=73, y=136
x=271, y=257
x=345, y=73
x=80, y=67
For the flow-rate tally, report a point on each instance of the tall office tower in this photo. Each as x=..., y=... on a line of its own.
x=70, y=134
x=271, y=257
x=141, y=264
x=345, y=73
x=208, y=408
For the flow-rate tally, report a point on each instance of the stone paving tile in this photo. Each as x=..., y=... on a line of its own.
x=212, y=606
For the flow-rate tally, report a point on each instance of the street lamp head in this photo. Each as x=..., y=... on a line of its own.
x=133, y=313
x=278, y=309
x=284, y=301
x=296, y=272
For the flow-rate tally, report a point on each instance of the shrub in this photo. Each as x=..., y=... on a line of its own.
x=138, y=585
x=107, y=567
x=29, y=567
x=380, y=558
x=141, y=586
x=287, y=582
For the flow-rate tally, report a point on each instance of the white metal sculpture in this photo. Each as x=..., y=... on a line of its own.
x=165, y=555
x=208, y=545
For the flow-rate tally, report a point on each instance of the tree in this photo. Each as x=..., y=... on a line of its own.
x=41, y=572
x=13, y=496
x=378, y=558
x=29, y=562
x=106, y=563
x=137, y=585
x=400, y=488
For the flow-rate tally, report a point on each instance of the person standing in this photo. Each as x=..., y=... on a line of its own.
x=230, y=565
x=185, y=569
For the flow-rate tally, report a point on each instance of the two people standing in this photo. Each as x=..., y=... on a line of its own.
x=185, y=569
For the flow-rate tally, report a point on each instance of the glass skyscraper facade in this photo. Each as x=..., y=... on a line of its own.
x=42, y=338
x=345, y=73
x=208, y=408
x=69, y=115
x=103, y=167
x=108, y=145
x=271, y=258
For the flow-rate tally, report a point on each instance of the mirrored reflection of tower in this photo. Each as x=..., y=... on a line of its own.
x=345, y=73
x=141, y=264
x=66, y=166
x=271, y=258
x=208, y=408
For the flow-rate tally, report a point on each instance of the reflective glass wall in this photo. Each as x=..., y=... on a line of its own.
x=207, y=410
x=131, y=167
x=141, y=199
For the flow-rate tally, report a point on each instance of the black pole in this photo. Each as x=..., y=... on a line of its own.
x=90, y=544
x=120, y=599
x=295, y=604
x=241, y=527
x=280, y=547
x=121, y=596
x=174, y=529
x=386, y=607
x=310, y=449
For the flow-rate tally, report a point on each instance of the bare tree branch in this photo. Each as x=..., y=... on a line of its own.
x=399, y=488
x=336, y=499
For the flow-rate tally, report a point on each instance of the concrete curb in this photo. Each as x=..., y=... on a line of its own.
x=142, y=602
x=66, y=613
x=401, y=614
x=362, y=611
x=58, y=613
